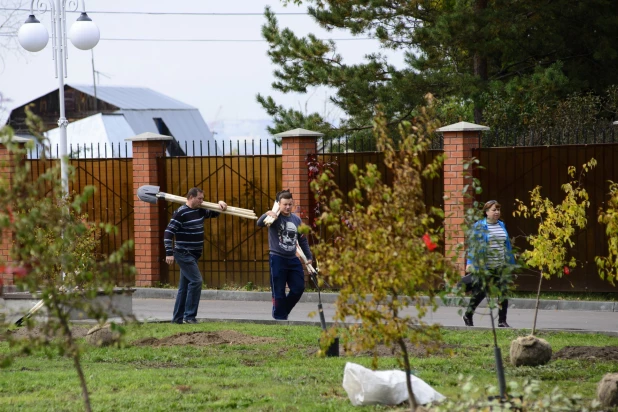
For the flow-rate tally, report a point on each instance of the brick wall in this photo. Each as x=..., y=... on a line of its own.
x=296, y=145
x=8, y=162
x=459, y=140
x=147, y=147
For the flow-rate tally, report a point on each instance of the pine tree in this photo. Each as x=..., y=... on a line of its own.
x=458, y=50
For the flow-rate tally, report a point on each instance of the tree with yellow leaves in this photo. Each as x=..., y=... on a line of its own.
x=608, y=265
x=383, y=255
x=557, y=225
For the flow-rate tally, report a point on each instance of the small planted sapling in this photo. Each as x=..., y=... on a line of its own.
x=381, y=248
x=548, y=252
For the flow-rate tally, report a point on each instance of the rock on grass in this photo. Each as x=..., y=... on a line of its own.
x=530, y=351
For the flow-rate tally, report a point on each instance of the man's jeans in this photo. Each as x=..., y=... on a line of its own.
x=284, y=271
x=189, y=288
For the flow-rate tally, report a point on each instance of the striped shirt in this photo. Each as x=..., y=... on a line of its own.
x=187, y=226
x=497, y=246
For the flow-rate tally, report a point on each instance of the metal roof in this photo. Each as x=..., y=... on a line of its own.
x=106, y=134
x=100, y=135
x=141, y=110
x=186, y=126
x=133, y=98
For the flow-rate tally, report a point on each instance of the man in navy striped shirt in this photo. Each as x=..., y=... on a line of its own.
x=187, y=227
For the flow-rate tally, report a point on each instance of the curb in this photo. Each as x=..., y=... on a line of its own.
x=329, y=324
x=329, y=297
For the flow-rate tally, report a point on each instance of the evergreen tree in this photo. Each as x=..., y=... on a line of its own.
x=461, y=51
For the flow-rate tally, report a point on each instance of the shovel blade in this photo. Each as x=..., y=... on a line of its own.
x=148, y=193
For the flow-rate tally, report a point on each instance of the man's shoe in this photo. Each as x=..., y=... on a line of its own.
x=503, y=325
x=179, y=322
x=190, y=321
x=468, y=320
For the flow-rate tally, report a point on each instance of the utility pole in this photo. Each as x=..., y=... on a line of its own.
x=94, y=81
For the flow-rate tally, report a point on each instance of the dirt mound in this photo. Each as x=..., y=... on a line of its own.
x=38, y=332
x=414, y=351
x=228, y=337
x=602, y=353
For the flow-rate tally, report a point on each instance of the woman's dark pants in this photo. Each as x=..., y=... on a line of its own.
x=479, y=292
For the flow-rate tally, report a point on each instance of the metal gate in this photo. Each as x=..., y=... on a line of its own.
x=235, y=249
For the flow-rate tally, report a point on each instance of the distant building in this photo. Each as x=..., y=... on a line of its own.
x=99, y=125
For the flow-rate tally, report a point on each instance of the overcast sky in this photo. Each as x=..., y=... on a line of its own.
x=220, y=77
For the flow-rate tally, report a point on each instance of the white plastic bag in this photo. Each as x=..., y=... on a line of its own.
x=367, y=387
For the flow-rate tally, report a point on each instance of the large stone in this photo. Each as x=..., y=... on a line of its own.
x=607, y=390
x=102, y=336
x=530, y=351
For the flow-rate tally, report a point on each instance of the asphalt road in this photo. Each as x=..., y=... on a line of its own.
x=260, y=311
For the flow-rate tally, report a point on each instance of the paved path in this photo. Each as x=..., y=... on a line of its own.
x=156, y=305
x=160, y=309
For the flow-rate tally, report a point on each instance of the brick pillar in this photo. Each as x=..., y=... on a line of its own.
x=8, y=163
x=459, y=140
x=146, y=233
x=297, y=144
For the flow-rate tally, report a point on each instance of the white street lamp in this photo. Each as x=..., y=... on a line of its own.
x=84, y=35
x=33, y=36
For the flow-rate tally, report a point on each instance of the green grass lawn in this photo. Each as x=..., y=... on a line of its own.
x=284, y=375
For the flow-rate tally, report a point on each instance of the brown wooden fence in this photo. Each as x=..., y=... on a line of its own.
x=113, y=199
x=236, y=251
x=433, y=189
x=511, y=173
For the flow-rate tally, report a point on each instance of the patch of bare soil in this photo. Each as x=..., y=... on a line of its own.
x=414, y=351
x=38, y=332
x=222, y=337
x=602, y=353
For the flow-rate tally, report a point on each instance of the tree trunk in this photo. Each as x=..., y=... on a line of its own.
x=536, y=307
x=479, y=63
x=82, y=381
x=75, y=355
x=497, y=355
x=406, y=362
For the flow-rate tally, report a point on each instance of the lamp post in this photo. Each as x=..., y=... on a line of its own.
x=33, y=37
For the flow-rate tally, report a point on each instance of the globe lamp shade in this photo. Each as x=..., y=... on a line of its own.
x=84, y=34
x=32, y=35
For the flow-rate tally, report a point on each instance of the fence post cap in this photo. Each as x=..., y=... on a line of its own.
x=22, y=139
x=299, y=133
x=148, y=136
x=462, y=127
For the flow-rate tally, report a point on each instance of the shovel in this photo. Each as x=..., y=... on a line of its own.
x=151, y=194
x=333, y=349
x=31, y=312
